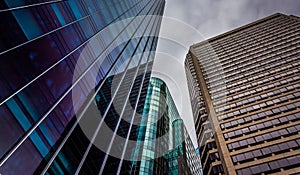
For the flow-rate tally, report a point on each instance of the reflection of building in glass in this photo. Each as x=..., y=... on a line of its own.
x=167, y=147
x=244, y=88
x=183, y=159
x=56, y=58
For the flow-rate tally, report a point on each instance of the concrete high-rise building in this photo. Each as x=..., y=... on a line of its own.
x=245, y=87
x=67, y=70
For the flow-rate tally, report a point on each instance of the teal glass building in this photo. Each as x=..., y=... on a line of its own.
x=64, y=64
x=164, y=144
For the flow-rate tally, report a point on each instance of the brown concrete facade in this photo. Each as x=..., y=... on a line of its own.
x=244, y=88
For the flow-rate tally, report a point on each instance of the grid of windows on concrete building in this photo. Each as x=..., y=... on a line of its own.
x=248, y=79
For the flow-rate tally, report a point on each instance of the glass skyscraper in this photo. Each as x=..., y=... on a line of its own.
x=166, y=145
x=67, y=71
x=183, y=158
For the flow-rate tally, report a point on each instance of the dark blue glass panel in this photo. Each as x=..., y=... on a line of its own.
x=8, y=123
x=24, y=160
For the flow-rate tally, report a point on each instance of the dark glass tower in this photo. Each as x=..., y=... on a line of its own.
x=66, y=68
x=244, y=88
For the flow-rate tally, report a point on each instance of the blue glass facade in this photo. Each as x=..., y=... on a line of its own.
x=49, y=53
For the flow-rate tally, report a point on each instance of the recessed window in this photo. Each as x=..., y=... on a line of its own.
x=249, y=155
x=260, y=126
x=275, y=134
x=250, y=141
x=231, y=134
x=267, y=136
x=245, y=130
x=283, y=132
x=283, y=119
x=275, y=148
x=292, y=144
x=240, y=157
x=240, y=121
x=291, y=117
x=261, y=115
x=292, y=130
x=243, y=143
x=268, y=112
x=266, y=151
x=275, y=122
x=268, y=124
x=255, y=169
x=276, y=110
x=283, y=163
x=247, y=119
x=253, y=128
x=257, y=153
x=274, y=165
x=235, y=145
x=264, y=167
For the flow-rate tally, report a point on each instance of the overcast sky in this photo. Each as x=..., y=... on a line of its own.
x=187, y=22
